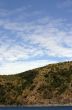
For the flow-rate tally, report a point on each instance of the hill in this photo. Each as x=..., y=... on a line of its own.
x=51, y=84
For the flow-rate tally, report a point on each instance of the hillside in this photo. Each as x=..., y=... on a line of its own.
x=51, y=84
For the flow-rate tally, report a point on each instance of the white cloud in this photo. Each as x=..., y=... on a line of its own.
x=17, y=67
x=44, y=33
x=26, y=40
x=52, y=39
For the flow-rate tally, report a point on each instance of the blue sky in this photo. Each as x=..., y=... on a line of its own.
x=34, y=33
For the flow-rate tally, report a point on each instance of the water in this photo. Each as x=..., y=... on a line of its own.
x=37, y=108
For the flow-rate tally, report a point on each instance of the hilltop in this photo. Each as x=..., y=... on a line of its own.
x=51, y=84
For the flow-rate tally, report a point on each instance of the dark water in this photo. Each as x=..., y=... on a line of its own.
x=37, y=108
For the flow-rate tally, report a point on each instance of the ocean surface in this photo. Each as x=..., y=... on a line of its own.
x=37, y=108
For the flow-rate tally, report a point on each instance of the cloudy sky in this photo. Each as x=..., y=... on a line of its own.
x=34, y=33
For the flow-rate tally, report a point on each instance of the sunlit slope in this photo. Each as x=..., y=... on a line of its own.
x=51, y=84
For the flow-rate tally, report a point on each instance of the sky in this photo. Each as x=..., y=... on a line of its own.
x=34, y=33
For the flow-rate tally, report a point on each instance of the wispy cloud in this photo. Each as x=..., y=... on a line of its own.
x=21, y=41
x=47, y=36
x=65, y=4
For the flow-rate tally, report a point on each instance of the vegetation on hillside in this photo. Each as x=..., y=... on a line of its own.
x=51, y=84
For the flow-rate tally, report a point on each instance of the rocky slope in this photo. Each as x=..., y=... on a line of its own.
x=51, y=84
